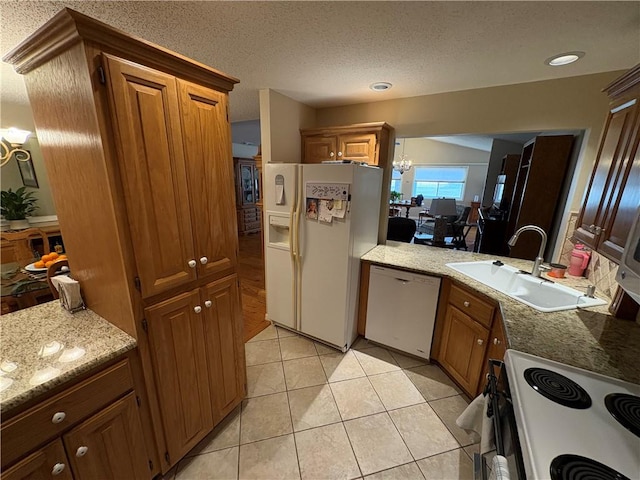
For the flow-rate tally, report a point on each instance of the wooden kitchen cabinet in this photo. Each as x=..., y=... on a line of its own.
x=373, y=143
x=47, y=462
x=197, y=390
x=101, y=413
x=176, y=334
x=109, y=445
x=137, y=145
x=461, y=335
x=496, y=349
x=225, y=345
x=613, y=194
x=463, y=347
x=174, y=175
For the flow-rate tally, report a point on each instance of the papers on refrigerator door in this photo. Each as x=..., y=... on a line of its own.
x=326, y=200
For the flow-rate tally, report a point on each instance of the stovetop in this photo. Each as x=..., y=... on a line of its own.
x=579, y=426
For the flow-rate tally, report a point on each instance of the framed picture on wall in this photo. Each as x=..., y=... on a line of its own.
x=28, y=174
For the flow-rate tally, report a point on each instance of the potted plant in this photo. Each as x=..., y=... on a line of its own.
x=395, y=196
x=17, y=206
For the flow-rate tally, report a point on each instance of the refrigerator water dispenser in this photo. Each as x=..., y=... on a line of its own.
x=278, y=232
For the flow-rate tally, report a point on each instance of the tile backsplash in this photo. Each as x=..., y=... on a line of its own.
x=601, y=271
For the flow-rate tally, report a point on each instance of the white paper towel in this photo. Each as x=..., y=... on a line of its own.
x=69, y=291
x=474, y=419
x=499, y=468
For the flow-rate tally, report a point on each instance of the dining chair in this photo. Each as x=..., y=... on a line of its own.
x=21, y=247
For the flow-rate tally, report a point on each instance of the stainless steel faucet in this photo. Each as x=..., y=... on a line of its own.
x=539, y=259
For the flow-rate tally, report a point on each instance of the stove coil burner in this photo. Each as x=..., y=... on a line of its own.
x=625, y=409
x=575, y=467
x=557, y=388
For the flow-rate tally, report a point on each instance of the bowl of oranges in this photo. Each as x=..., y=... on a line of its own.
x=45, y=262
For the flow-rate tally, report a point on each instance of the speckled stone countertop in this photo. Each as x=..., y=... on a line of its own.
x=586, y=338
x=44, y=346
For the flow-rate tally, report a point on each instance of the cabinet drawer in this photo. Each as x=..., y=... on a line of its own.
x=471, y=305
x=35, y=426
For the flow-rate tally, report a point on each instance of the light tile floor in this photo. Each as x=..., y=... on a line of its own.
x=314, y=413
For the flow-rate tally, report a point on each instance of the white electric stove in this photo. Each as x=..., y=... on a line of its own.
x=572, y=423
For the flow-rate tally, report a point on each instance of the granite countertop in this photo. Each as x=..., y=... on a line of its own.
x=44, y=346
x=586, y=338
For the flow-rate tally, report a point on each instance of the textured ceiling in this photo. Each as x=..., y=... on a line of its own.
x=327, y=53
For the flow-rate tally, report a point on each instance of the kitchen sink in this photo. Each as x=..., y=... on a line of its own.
x=541, y=294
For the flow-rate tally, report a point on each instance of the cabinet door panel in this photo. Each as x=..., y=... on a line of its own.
x=40, y=465
x=225, y=346
x=110, y=445
x=210, y=172
x=613, y=147
x=621, y=213
x=319, y=149
x=147, y=126
x=464, y=344
x=359, y=147
x=176, y=336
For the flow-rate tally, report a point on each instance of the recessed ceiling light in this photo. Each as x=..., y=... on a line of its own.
x=380, y=86
x=564, y=59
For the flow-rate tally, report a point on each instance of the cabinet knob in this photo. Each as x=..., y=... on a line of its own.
x=331, y=154
x=192, y=263
x=197, y=309
x=496, y=341
x=204, y=260
x=339, y=154
x=82, y=451
x=57, y=469
x=466, y=304
x=58, y=417
x=480, y=341
x=208, y=303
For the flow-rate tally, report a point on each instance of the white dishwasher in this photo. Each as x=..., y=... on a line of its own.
x=401, y=309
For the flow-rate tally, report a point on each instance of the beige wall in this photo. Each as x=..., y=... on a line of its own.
x=573, y=103
x=281, y=119
x=423, y=151
x=19, y=116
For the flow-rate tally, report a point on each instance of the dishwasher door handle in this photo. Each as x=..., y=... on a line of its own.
x=404, y=281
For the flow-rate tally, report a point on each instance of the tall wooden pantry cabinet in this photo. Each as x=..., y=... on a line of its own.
x=136, y=141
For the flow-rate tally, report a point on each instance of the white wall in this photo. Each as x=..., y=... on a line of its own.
x=281, y=119
x=424, y=151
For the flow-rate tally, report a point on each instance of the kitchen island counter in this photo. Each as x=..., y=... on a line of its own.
x=45, y=346
x=586, y=338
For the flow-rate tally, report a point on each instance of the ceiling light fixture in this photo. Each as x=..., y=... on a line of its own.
x=564, y=59
x=15, y=138
x=403, y=164
x=380, y=86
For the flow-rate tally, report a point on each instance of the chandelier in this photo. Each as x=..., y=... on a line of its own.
x=11, y=139
x=402, y=164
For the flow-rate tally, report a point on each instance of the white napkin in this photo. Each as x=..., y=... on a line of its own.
x=499, y=468
x=69, y=291
x=474, y=419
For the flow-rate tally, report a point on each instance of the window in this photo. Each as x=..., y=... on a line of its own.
x=396, y=182
x=434, y=182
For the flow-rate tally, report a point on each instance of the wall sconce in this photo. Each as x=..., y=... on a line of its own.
x=11, y=139
x=403, y=163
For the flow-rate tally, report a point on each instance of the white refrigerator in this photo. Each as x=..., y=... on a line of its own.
x=319, y=220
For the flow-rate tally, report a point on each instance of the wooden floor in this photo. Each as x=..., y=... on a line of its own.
x=251, y=274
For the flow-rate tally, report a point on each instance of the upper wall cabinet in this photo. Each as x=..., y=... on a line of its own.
x=359, y=142
x=371, y=143
x=613, y=194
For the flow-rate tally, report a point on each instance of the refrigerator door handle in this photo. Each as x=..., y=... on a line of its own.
x=298, y=264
